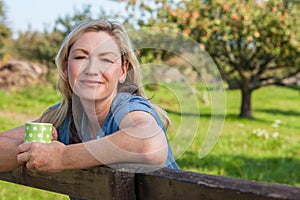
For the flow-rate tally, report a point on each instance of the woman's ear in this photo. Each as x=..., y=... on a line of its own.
x=66, y=70
x=124, y=72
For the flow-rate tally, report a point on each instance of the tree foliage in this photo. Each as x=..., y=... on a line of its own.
x=43, y=46
x=36, y=46
x=253, y=43
x=5, y=32
x=65, y=24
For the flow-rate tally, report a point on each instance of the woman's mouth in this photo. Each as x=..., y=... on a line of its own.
x=91, y=83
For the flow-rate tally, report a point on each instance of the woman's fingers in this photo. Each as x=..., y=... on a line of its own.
x=24, y=147
x=23, y=158
x=41, y=156
x=30, y=165
x=54, y=134
x=25, y=152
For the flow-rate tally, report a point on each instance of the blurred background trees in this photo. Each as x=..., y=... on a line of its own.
x=5, y=32
x=42, y=46
x=253, y=43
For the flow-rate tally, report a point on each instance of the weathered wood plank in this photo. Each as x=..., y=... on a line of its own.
x=105, y=183
x=175, y=184
x=90, y=183
x=122, y=185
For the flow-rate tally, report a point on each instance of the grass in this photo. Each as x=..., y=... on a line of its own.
x=17, y=107
x=11, y=191
x=266, y=148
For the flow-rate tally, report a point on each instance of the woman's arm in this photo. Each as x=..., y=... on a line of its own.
x=15, y=133
x=9, y=142
x=139, y=140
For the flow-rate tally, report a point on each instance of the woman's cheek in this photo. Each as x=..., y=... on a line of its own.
x=72, y=75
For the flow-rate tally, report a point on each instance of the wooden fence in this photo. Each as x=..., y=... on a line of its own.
x=105, y=183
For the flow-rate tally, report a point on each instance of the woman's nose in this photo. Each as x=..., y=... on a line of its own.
x=92, y=67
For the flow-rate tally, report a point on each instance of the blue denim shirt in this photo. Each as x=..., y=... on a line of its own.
x=121, y=106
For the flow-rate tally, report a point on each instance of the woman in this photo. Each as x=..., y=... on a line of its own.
x=104, y=117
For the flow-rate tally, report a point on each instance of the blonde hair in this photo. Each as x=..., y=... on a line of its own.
x=132, y=83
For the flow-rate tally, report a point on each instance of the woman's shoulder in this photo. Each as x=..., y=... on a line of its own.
x=54, y=106
x=128, y=96
x=125, y=103
x=129, y=100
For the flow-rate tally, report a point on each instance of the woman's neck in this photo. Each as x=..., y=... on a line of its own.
x=96, y=112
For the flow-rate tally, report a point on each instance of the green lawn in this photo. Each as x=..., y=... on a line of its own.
x=17, y=107
x=266, y=148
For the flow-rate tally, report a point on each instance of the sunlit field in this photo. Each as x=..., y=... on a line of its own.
x=266, y=148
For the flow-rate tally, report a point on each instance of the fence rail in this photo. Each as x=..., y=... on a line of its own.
x=106, y=183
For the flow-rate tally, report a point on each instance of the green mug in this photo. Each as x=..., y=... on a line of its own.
x=38, y=132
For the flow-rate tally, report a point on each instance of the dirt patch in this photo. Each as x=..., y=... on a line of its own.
x=21, y=73
x=16, y=116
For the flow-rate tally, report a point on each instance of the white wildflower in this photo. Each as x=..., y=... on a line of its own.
x=278, y=121
x=260, y=132
x=275, y=135
x=266, y=135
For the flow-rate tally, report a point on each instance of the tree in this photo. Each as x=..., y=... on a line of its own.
x=253, y=43
x=66, y=23
x=43, y=46
x=5, y=31
x=37, y=46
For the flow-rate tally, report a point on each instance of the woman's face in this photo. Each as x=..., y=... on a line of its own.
x=94, y=66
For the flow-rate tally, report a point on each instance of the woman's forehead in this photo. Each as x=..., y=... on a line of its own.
x=96, y=42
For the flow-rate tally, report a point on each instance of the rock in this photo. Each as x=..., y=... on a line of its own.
x=17, y=73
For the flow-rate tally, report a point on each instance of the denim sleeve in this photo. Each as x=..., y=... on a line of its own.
x=126, y=103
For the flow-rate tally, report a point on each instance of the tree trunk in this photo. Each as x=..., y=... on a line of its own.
x=245, y=111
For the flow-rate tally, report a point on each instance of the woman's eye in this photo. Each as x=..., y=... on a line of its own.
x=79, y=57
x=107, y=60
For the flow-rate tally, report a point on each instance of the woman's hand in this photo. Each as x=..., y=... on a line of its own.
x=41, y=156
x=54, y=134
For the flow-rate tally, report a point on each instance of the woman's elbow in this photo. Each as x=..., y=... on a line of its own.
x=154, y=154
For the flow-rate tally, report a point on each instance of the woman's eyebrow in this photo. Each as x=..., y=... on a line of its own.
x=81, y=50
x=101, y=53
x=108, y=52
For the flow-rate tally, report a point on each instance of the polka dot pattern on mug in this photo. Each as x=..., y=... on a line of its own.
x=38, y=132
